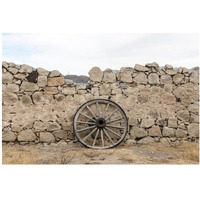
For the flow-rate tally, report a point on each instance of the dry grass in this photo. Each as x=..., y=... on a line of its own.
x=189, y=152
x=158, y=153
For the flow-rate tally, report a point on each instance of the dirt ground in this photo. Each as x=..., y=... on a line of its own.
x=75, y=153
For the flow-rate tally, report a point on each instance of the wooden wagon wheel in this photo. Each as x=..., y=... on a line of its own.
x=100, y=124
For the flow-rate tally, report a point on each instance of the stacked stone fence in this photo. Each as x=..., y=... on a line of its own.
x=162, y=104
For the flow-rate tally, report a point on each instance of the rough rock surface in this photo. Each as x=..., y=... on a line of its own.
x=162, y=104
x=26, y=136
x=96, y=74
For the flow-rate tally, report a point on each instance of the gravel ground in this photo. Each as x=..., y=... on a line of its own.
x=75, y=153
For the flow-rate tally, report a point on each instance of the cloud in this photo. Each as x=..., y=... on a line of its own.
x=77, y=54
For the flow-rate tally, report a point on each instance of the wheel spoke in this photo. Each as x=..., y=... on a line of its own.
x=101, y=132
x=80, y=122
x=95, y=137
x=113, y=132
x=98, y=112
x=108, y=136
x=100, y=124
x=91, y=112
x=114, y=120
x=111, y=114
x=84, y=129
x=106, y=110
x=87, y=117
x=115, y=126
x=89, y=134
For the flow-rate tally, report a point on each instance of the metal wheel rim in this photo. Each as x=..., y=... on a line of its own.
x=98, y=127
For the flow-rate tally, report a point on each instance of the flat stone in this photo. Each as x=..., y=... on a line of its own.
x=81, y=87
x=29, y=86
x=141, y=78
x=194, y=78
x=26, y=69
x=193, y=130
x=61, y=134
x=168, y=98
x=7, y=77
x=109, y=77
x=53, y=126
x=5, y=64
x=37, y=97
x=183, y=115
x=143, y=98
x=69, y=82
x=8, y=135
x=96, y=74
x=152, y=65
x=171, y=72
x=178, y=78
x=137, y=132
x=168, y=132
x=180, y=133
x=141, y=68
x=20, y=76
x=126, y=77
x=9, y=98
x=165, y=79
x=82, y=91
x=130, y=142
x=146, y=123
x=42, y=72
x=13, y=70
x=146, y=140
x=69, y=90
x=56, y=81
x=194, y=118
x=164, y=140
x=105, y=89
x=40, y=126
x=153, y=113
x=26, y=136
x=89, y=97
x=168, y=67
x=42, y=81
x=166, y=113
x=51, y=90
x=168, y=87
x=155, y=131
x=185, y=70
x=153, y=78
x=18, y=82
x=155, y=90
x=116, y=90
x=130, y=91
x=54, y=73
x=194, y=108
x=132, y=121
x=127, y=69
x=12, y=88
x=95, y=91
x=26, y=100
x=46, y=137
x=119, y=98
x=172, y=122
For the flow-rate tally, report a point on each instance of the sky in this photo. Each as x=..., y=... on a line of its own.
x=78, y=53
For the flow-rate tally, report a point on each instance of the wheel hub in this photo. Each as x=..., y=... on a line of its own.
x=100, y=122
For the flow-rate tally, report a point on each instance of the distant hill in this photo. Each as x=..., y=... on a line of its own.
x=78, y=79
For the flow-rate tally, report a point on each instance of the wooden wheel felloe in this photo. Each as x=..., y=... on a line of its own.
x=100, y=124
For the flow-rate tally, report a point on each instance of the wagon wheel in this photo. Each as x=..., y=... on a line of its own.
x=100, y=124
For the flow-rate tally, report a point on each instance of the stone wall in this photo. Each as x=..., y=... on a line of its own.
x=162, y=104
